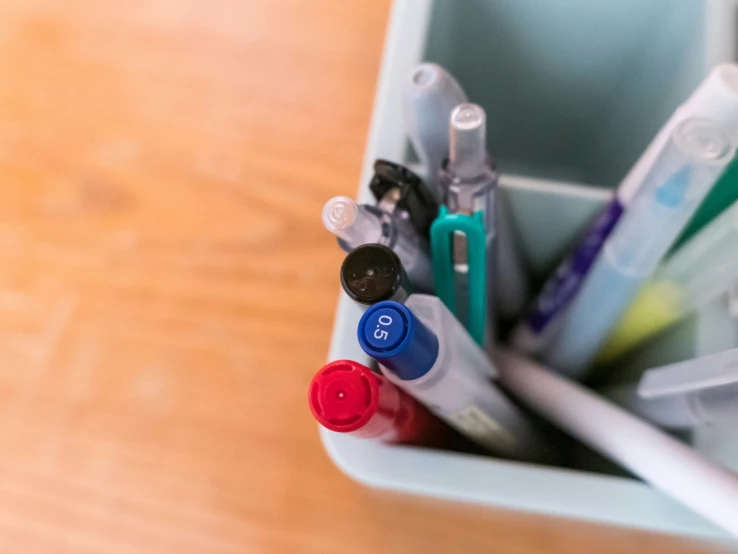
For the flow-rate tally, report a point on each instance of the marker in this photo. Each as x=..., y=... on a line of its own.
x=356, y=224
x=401, y=192
x=423, y=349
x=700, y=271
x=695, y=393
x=681, y=176
x=348, y=397
x=657, y=458
x=372, y=273
x=717, y=99
x=429, y=95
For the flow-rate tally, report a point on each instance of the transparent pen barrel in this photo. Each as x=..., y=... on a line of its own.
x=680, y=178
x=603, y=298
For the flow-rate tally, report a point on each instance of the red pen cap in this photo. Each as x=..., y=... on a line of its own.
x=348, y=397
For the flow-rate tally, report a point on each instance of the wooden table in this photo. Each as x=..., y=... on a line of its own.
x=167, y=291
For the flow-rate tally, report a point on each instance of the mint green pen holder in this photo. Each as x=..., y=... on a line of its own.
x=574, y=90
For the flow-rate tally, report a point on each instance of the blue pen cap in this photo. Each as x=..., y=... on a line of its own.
x=391, y=334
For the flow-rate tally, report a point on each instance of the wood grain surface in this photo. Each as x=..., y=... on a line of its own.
x=167, y=291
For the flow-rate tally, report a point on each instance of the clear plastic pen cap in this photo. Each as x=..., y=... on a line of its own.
x=685, y=170
x=351, y=222
x=467, y=141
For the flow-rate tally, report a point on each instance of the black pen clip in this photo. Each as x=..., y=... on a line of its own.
x=410, y=193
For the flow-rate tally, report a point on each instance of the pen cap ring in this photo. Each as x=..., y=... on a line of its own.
x=391, y=334
x=344, y=396
x=371, y=273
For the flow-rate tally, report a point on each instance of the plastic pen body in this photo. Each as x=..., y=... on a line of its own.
x=423, y=349
x=470, y=184
x=355, y=224
x=681, y=176
x=668, y=464
x=704, y=268
x=716, y=98
x=428, y=97
x=347, y=397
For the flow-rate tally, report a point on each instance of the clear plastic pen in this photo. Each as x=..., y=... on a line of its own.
x=700, y=271
x=689, y=164
x=356, y=224
x=470, y=183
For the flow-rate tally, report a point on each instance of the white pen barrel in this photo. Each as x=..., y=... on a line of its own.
x=666, y=463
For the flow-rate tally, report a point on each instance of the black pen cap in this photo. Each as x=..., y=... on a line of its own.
x=372, y=273
x=413, y=198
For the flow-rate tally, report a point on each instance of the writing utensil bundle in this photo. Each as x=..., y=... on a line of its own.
x=434, y=265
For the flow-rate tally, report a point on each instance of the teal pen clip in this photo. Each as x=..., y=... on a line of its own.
x=442, y=235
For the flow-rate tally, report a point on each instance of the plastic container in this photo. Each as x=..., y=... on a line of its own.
x=574, y=90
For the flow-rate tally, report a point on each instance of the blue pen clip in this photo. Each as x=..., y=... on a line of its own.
x=442, y=236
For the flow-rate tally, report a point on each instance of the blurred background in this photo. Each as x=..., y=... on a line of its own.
x=167, y=289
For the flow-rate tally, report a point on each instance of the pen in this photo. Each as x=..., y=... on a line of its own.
x=371, y=273
x=698, y=392
x=423, y=349
x=347, y=397
x=717, y=99
x=429, y=95
x=469, y=183
x=682, y=174
x=701, y=270
x=654, y=456
x=356, y=224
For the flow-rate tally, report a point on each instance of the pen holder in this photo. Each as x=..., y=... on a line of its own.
x=574, y=90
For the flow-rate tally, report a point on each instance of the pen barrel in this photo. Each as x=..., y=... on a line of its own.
x=429, y=95
x=680, y=178
x=702, y=269
x=666, y=463
x=606, y=293
x=423, y=349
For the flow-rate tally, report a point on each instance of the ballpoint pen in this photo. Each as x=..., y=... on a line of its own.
x=682, y=174
x=356, y=224
x=698, y=392
x=429, y=96
x=348, y=397
x=701, y=270
x=717, y=99
x=371, y=273
x=422, y=348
